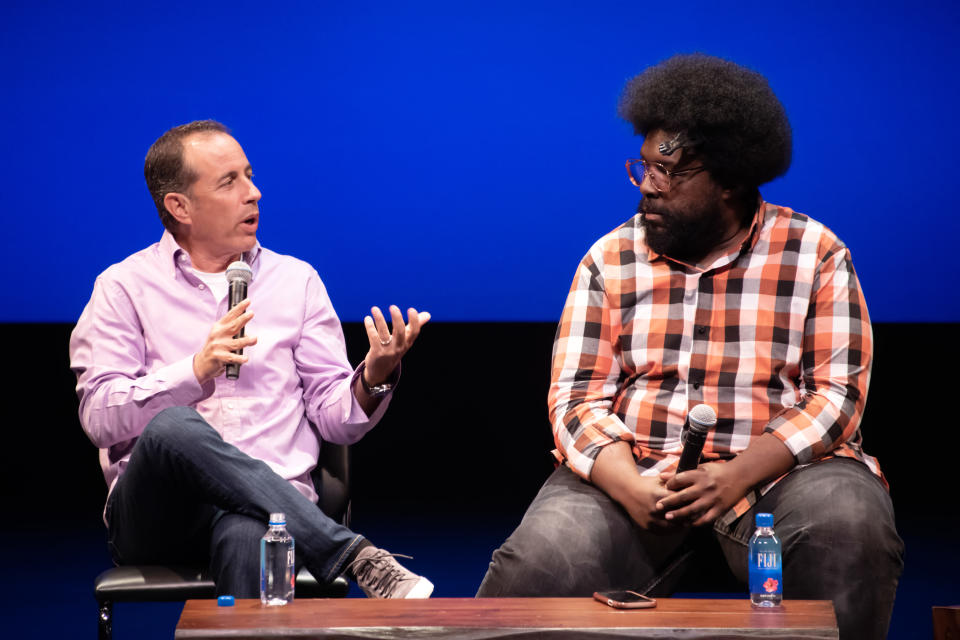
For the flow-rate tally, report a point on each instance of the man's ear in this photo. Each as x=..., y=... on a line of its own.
x=178, y=206
x=728, y=192
x=732, y=195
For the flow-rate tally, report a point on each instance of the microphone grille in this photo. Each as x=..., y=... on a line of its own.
x=703, y=416
x=239, y=270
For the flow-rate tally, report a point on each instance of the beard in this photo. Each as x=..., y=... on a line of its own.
x=682, y=233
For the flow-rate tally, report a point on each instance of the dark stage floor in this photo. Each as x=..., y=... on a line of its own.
x=49, y=583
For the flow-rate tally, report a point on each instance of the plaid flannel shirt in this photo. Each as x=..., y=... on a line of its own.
x=774, y=336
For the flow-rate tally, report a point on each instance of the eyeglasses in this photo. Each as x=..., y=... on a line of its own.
x=660, y=176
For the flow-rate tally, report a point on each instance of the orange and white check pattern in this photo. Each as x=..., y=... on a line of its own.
x=775, y=337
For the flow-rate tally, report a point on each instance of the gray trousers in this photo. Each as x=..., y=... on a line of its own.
x=834, y=520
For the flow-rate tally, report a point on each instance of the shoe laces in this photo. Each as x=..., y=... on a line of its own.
x=377, y=573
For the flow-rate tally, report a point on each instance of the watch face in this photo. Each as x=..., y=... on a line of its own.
x=379, y=390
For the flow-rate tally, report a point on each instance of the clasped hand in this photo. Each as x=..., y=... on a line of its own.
x=699, y=496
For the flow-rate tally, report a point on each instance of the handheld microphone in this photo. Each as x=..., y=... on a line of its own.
x=699, y=421
x=239, y=275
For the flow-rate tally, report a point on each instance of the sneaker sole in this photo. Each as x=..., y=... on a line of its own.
x=422, y=589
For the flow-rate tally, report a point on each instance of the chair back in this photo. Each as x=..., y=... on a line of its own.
x=331, y=478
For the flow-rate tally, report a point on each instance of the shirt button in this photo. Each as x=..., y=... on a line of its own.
x=696, y=385
x=230, y=406
x=201, y=286
x=183, y=258
x=701, y=329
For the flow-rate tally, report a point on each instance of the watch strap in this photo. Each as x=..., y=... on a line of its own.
x=378, y=390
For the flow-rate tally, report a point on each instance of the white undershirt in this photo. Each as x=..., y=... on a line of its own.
x=216, y=281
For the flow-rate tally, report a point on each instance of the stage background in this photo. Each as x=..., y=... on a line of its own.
x=461, y=158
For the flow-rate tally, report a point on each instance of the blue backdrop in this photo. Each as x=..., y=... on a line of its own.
x=460, y=157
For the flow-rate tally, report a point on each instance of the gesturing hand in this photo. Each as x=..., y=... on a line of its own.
x=217, y=351
x=388, y=347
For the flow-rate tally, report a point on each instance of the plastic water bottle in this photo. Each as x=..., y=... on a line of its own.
x=277, y=574
x=766, y=570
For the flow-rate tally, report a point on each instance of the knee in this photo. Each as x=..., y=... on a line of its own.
x=549, y=536
x=859, y=537
x=173, y=424
x=570, y=542
x=528, y=548
x=850, y=513
x=550, y=553
x=529, y=563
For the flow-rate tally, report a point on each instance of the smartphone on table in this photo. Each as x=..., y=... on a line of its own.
x=625, y=599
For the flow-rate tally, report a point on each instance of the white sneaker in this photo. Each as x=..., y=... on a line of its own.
x=380, y=576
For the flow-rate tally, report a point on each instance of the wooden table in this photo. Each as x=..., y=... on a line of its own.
x=946, y=623
x=483, y=618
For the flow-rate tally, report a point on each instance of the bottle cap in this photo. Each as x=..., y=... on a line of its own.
x=764, y=519
x=225, y=601
x=277, y=518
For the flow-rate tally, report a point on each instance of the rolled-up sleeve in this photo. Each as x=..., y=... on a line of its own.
x=836, y=361
x=585, y=373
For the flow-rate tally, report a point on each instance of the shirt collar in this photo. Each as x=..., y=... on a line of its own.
x=748, y=243
x=175, y=255
x=754, y=235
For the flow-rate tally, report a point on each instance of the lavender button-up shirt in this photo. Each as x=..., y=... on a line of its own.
x=132, y=351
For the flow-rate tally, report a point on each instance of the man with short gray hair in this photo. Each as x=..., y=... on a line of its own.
x=195, y=461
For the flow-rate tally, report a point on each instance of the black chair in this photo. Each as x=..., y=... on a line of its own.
x=180, y=583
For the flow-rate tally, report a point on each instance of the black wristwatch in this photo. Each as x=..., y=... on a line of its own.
x=379, y=390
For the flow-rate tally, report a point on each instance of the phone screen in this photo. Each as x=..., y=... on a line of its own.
x=625, y=599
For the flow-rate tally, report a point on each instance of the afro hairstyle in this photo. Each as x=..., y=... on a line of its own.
x=735, y=123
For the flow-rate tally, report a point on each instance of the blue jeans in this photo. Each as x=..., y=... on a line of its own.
x=834, y=519
x=186, y=496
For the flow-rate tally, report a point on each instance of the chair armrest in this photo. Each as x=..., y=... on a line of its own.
x=151, y=583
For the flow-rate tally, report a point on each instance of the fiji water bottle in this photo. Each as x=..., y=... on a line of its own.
x=766, y=571
x=276, y=563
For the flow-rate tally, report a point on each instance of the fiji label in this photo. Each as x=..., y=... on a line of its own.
x=766, y=574
x=768, y=561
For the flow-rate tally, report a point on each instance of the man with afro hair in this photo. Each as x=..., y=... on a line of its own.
x=710, y=296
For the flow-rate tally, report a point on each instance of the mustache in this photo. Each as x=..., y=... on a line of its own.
x=645, y=206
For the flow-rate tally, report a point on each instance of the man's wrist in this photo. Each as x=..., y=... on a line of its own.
x=765, y=459
x=382, y=388
x=196, y=370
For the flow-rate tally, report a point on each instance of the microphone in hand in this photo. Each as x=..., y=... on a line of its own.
x=239, y=275
x=700, y=420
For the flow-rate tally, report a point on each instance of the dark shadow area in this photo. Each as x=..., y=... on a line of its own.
x=445, y=477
